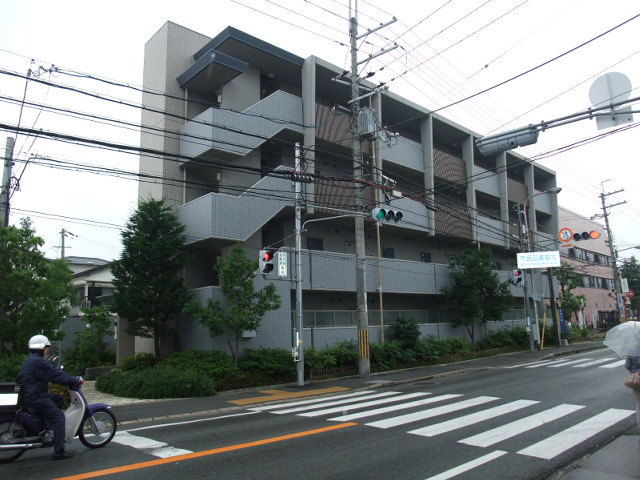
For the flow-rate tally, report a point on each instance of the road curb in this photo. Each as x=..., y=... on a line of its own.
x=575, y=350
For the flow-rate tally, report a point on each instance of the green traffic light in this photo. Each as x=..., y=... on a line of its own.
x=381, y=214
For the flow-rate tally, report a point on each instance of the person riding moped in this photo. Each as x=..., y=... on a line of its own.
x=34, y=377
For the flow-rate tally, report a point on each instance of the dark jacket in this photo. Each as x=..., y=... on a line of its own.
x=632, y=363
x=36, y=374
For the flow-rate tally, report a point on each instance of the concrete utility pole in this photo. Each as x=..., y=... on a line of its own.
x=63, y=235
x=6, y=180
x=522, y=244
x=614, y=255
x=298, y=227
x=364, y=361
x=376, y=162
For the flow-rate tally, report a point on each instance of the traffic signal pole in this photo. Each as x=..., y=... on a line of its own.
x=527, y=312
x=298, y=234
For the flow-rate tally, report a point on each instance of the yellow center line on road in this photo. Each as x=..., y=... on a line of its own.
x=272, y=395
x=189, y=456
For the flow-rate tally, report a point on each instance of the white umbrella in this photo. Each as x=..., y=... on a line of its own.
x=624, y=339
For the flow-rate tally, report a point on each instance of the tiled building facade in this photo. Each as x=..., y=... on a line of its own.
x=238, y=100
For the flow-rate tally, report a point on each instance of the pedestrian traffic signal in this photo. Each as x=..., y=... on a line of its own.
x=518, y=278
x=267, y=261
x=384, y=214
x=592, y=235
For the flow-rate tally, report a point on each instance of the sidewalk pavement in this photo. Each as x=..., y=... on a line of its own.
x=618, y=460
x=131, y=411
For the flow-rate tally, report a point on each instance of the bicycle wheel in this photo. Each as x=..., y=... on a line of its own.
x=6, y=437
x=106, y=424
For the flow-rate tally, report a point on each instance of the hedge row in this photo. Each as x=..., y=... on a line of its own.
x=194, y=373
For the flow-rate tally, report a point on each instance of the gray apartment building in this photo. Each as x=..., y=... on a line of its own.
x=235, y=99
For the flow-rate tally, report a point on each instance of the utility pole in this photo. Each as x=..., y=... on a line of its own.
x=614, y=254
x=522, y=241
x=6, y=180
x=554, y=308
x=376, y=162
x=298, y=227
x=364, y=360
x=63, y=235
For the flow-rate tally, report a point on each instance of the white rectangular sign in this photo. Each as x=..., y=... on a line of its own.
x=282, y=263
x=539, y=259
x=625, y=285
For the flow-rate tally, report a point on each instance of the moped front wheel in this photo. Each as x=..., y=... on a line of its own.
x=100, y=431
x=9, y=436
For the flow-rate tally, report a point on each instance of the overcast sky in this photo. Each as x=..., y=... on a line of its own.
x=109, y=42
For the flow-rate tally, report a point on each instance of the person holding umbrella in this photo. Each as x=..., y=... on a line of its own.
x=624, y=339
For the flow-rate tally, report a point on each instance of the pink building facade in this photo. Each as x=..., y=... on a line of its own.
x=592, y=259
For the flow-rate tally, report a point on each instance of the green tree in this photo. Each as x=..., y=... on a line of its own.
x=245, y=306
x=35, y=293
x=569, y=279
x=630, y=270
x=477, y=291
x=148, y=276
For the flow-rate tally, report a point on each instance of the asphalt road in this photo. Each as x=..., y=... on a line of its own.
x=549, y=414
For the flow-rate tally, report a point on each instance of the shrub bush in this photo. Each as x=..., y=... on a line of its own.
x=319, y=359
x=156, y=382
x=346, y=353
x=509, y=337
x=137, y=362
x=407, y=332
x=266, y=365
x=217, y=366
x=10, y=366
x=391, y=354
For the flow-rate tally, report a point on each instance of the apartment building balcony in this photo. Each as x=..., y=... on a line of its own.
x=219, y=130
x=486, y=181
x=404, y=152
x=544, y=203
x=491, y=231
x=333, y=271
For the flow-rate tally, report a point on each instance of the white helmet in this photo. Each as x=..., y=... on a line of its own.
x=38, y=342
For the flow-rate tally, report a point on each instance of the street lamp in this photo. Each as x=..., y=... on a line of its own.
x=556, y=323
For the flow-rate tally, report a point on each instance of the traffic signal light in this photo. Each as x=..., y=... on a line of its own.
x=267, y=261
x=384, y=214
x=518, y=278
x=592, y=235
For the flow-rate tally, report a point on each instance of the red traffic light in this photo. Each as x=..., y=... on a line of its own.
x=267, y=256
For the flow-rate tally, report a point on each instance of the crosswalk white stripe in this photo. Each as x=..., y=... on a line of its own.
x=504, y=432
x=393, y=408
x=562, y=441
x=430, y=412
x=614, y=364
x=465, y=467
x=571, y=362
x=356, y=406
x=526, y=364
x=332, y=403
x=593, y=362
x=549, y=361
x=472, y=419
x=148, y=445
x=313, y=400
x=553, y=362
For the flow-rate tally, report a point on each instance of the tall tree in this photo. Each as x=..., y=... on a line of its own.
x=34, y=292
x=148, y=276
x=477, y=291
x=569, y=279
x=631, y=271
x=245, y=306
